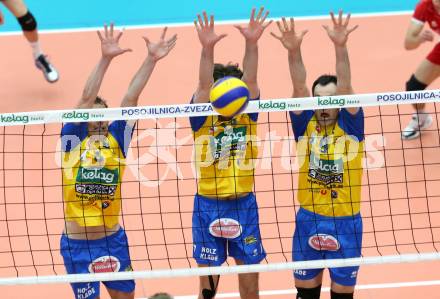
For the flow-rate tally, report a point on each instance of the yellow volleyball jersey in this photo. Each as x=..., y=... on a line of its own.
x=225, y=154
x=330, y=163
x=92, y=170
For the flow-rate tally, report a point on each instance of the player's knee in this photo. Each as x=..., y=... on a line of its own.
x=248, y=291
x=414, y=84
x=335, y=295
x=308, y=293
x=27, y=22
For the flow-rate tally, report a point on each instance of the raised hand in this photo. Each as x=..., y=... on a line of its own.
x=290, y=40
x=110, y=44
x=256, y=26
x=340, y=32
x=205, y=31
x=160, y=49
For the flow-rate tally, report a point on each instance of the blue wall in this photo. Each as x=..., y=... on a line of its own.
x=64, y=14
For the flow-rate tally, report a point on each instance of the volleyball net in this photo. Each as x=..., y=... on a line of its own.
x=400, y=190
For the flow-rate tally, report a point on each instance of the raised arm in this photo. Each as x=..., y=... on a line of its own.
x=208, y=39
x=292, y=42
x=109, y=50
x=415, y=35
x=252, y=34
x=339, y=36
x=156, y=51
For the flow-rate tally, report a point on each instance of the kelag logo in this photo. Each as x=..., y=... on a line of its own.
x=76, y=115
x=12, y=118
x=271, y=105
x=328, y=102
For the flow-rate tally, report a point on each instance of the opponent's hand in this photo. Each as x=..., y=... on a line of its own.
x=340, y=32
x=2, y=18
x=205, y=31
x=426, y=36
x=160, y=49
x=290, y=40
x=110, y=43
x=256, y=26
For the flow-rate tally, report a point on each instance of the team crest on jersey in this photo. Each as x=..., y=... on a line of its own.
x=225, y=228
x=324, y=242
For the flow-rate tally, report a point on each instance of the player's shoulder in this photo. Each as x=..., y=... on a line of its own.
x=424, y=5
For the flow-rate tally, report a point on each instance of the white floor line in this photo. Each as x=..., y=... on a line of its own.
x=190, y=24
x=327, y=289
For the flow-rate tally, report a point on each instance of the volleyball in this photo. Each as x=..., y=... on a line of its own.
x=229, y=96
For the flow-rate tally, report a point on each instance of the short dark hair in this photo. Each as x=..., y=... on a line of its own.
x=222, y=70
x=324, y=80
x=161, y=296
x=101, y=101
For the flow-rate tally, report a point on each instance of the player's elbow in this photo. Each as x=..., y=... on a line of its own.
x=410, y=43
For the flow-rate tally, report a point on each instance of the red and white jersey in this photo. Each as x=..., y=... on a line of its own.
x=426, y=12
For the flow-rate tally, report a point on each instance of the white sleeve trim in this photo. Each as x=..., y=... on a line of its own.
x=417, y=21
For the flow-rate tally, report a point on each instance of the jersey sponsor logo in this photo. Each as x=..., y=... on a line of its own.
x=85, y=292
x=129, y=268
x=208, y=254
x=249, y=240
x=324, y=242
x=225, y=228
x=326, y=166
x=326, y=179
x=105, y=204
x=300, y=272
x=95, y=189
x=354, y=274
x=105, y=264
x=228, y=142
x=98, y=175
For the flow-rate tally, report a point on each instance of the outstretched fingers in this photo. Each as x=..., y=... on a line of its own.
x=332, y=15
x=352, y=29
x=276, y=36
x=99, y=35
x=164, y=32
x=260, y=12
x=347, y=20
x=252, y=18
x=112, y=26
x=120, y=33
x=286, y=26
x=105, y=31
x=205, y=18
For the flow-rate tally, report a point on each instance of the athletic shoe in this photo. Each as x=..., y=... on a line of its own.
x=49, y=72
x=413, y=129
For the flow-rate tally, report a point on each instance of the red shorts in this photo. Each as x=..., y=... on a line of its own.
x=434, y=55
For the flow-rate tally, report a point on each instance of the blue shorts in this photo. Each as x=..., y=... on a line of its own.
x=226, y=226
x=108, y=254
x=319, y=237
